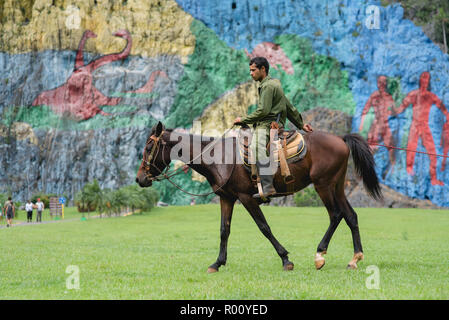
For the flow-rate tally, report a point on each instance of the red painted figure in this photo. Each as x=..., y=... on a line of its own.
x=77, y=97
x=445, y=143
x=383, y=104
x=422, y=101
x=274, y=54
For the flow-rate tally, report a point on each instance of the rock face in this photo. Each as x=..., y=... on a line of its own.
x=339, y=123
x=187, y=61
x=392, y=199
x=64, y=160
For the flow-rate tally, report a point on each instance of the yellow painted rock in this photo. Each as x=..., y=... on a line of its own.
x=219, y=115
x=157, y=27
x=19, y=131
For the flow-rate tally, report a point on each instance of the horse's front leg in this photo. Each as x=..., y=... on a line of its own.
x=227, y=206
x=256, y=213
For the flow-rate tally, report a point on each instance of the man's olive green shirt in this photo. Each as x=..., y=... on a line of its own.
x=272, y=101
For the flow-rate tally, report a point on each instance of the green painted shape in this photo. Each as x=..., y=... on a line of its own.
x=42, y=117
x=251, y=108
x=367, y=122
x=212, y=69
x=394, y=88
x=170, y=194
x=318, y=80
x=134, y=95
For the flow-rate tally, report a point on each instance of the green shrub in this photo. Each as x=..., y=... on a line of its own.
x=3, y=198
x=93, y=198
x=308, y=198
x=45, y=198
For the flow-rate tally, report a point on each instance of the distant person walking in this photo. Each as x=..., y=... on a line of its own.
x=40, y=207
x=9, y=211
x=29, y=210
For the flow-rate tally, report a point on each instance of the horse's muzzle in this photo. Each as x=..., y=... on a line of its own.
x=144, y=183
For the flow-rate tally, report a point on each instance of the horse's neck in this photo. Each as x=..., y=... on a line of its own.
x=189, y=150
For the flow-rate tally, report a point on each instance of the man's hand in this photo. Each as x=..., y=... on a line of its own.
x=307, y=128
x=238, y=121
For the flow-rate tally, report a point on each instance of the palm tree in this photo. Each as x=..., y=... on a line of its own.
x=119, y=200
x=150, y=196
x=443, y=17
x=80, y=201
x=108, y=199
x=134, y=198
x=94, y=195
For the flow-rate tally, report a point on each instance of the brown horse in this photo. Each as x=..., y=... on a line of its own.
x=324, y=165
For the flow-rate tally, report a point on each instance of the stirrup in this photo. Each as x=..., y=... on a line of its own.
x=264, y=197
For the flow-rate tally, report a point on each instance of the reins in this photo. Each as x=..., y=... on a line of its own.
x=167, y=175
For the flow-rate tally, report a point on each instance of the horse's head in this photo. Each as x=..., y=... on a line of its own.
x=155, y=157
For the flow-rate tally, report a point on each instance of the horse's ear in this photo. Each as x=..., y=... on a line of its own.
x=159, y=128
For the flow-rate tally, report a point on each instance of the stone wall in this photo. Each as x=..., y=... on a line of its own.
x=82, y=82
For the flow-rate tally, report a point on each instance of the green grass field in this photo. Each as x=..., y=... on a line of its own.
x=164, y=254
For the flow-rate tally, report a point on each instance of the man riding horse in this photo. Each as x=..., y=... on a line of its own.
x=273, y=106
x=324, y=165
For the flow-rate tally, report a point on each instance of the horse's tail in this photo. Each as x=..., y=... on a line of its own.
x=364, y=164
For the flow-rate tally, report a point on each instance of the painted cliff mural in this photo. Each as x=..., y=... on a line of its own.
x=82, y=83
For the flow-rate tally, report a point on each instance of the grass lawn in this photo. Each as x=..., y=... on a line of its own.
x=164, y=254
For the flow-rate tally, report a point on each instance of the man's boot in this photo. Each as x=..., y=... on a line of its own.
x=268, y=189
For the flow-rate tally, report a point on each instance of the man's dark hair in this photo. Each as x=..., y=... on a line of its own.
x=260, y=62
x=9, y=198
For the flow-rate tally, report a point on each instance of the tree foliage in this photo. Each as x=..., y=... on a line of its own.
x=427, y=12
x=308, y=198
x=45, y=198
x=129, y=198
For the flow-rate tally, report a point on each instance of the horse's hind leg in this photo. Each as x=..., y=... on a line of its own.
x=256, y=213
x=338, y=207
x=328, y=196
x=351, y=219
x=227, y=206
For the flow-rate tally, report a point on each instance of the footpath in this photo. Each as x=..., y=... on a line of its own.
x=23, y=223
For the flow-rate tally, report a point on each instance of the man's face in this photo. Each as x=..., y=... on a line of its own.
x=256, y=74
x=382, y=83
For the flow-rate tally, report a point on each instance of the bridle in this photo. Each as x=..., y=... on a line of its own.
x=153, y=154
x=167, y=175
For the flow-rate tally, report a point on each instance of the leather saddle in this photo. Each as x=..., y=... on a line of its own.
x=292, y=143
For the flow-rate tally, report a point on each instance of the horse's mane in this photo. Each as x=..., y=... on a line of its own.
x=203, y=137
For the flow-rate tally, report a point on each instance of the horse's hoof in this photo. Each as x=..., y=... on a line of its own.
x=319, y=260
x=211, y=270
x=289, y=266
x=351, y=266
x=353, y=263
x=320, y=264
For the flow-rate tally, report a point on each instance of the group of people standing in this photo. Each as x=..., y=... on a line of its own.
x=9, y=211
x=39, y=205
